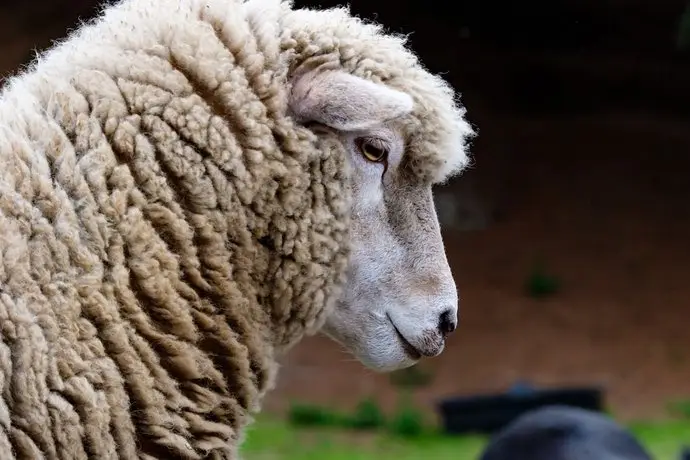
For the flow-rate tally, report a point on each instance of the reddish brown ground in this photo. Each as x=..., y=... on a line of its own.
x=604, y=201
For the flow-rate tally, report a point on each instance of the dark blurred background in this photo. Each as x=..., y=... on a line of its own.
x=569, y=238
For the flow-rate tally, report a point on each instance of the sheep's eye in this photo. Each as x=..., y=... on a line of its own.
x=372, y=151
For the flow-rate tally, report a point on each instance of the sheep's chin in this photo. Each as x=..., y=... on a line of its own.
x=377, y=348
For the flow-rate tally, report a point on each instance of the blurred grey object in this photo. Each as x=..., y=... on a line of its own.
x=564, y=433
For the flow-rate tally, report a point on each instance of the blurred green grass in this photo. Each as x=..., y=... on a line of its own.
x=273, y=439
x=663, y=439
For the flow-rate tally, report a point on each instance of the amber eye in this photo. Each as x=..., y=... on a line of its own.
x=372, y=151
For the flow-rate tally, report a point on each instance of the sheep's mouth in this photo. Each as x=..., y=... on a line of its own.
x=410, y=350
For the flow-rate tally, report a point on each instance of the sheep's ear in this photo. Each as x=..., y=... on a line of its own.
x=345, y=102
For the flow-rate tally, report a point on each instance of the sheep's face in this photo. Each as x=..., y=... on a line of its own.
x=400, y=301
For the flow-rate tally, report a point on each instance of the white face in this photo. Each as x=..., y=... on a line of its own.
x=400, y=300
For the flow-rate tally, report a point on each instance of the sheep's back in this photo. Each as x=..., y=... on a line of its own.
x=164, y=227
x=130, y=324
x=60, y=390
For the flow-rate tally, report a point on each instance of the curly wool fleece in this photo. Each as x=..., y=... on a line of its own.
x=166, y=228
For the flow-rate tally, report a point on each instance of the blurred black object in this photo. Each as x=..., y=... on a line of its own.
x=490, y=413
x=564, y=433
x=685, y=453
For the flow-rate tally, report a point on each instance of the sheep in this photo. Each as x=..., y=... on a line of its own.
x=187, y=189
x=564, y=433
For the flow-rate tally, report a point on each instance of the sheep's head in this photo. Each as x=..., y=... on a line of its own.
x=400, y=300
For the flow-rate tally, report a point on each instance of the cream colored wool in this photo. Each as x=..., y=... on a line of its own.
x=166, y=229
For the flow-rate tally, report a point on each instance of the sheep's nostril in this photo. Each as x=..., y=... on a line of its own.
x=447, y=323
